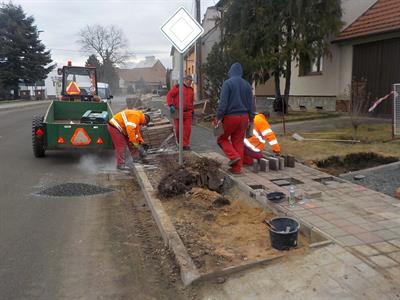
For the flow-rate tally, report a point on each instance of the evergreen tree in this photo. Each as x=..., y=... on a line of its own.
x=109, y=75
x=22, y=55
x=92, y=61
x=267, y=36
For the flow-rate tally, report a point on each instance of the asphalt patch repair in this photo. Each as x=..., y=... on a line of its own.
x=72, y=189
x=219, y=229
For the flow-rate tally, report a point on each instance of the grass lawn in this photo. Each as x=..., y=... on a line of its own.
x=374, y=138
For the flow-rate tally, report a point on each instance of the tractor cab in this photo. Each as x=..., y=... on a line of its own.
x=79, y=84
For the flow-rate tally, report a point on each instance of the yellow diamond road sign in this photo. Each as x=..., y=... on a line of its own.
x=182, y=30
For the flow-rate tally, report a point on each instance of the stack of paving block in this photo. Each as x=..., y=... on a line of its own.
x=157, y=131
x=274, y=163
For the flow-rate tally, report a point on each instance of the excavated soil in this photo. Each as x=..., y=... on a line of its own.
x=336, y=165
x=219, y=230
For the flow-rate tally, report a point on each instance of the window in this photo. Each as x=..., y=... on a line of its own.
x=310, y=67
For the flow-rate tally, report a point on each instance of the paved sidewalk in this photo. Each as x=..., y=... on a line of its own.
x=21, y=104
x=364, y=262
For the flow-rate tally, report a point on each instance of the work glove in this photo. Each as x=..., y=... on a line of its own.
x=142, y=151
x=276, y=149
x=136, y=144
x=172, y=109
x=217, y=122
x=249, y=130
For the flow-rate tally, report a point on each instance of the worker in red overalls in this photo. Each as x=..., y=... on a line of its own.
x=124, y=128
x=255, y=144
x=235, y=111
x=188, y=111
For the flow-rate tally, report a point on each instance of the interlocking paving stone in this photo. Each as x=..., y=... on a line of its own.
x=335, y=232
x=330, y=216
x=341, y=222
x=354, y=229
x=319, y=211
x=350, y=259
x=396, y=230
x=366, y=250
x=349, y=240
x=388, y=224
x=395, y=242
x=358, y=220
x=369, y=238
x=372, y=226
x=383, y=261
x=395, y=256
x=395, y=272
x=366, y=271
x=385, y=247
x=386, y=234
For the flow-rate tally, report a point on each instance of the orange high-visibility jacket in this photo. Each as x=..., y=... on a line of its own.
x=129, y=122
x=261, y=133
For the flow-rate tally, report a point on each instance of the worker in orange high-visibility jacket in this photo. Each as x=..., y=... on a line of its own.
x=255, y=144
x=124, y=128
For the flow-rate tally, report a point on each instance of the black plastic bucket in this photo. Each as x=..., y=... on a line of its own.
x=283, y=233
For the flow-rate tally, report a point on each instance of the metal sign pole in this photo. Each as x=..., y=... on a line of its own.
x=181, y=109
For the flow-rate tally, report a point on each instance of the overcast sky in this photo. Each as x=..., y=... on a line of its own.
x=61, y=20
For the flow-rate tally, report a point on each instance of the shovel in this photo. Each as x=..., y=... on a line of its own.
x=299, y=138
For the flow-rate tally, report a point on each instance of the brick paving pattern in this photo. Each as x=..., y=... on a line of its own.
x=362, y=222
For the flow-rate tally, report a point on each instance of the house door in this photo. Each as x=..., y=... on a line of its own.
x=379, y=64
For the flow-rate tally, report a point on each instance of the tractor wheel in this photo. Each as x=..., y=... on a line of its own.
x=37, y=142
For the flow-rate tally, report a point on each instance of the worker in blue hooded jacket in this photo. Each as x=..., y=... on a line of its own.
x=235, y=111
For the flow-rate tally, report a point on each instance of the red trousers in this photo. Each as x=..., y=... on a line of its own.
x=232, y=141
x=250, y=155
x=187, y=129
x=120, y=142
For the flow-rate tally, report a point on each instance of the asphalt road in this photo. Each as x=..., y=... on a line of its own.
x=62, y=247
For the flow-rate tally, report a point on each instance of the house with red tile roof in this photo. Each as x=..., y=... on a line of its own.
x=367, y=48
x=147, y=75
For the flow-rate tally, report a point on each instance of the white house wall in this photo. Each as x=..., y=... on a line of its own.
x=322, y=91
x=206, y=45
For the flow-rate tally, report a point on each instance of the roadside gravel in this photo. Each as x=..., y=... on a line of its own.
x=384, y=179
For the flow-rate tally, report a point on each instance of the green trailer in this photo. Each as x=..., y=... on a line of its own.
x=77, y=121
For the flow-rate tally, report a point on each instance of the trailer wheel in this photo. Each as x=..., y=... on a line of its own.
x=37, y=140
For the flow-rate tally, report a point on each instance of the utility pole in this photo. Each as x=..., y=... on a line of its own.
x=198, y=56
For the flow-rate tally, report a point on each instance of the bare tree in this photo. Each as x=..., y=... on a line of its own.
x=108, y=42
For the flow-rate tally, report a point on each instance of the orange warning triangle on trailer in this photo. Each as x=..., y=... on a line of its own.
x=80, y=137
x=73, y=89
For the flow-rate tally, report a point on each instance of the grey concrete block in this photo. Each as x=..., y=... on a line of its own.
x=312, y=194
x=256, y=167
x=281, y=163
x=273, y=163
x=290, y=161
x=264, y=165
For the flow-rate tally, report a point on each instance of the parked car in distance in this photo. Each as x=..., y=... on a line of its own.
x=104, y=92
x=160, y=91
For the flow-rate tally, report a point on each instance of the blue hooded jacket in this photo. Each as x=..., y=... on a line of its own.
x=236, y=95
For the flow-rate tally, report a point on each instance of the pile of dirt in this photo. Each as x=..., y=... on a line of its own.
x=220, y=231
x=202, y=172
x=336, y=165
x=176, y=183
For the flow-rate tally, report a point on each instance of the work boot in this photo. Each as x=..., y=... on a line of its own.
x=186, y=148
x=123, y=168
x=233, y=161
x=235, y=172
